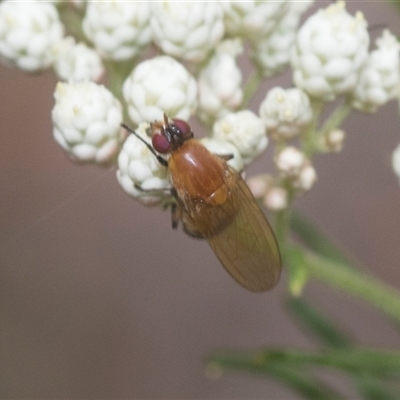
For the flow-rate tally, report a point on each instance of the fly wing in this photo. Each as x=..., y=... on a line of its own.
x=247, y=247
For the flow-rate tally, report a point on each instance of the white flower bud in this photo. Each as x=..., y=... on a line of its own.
x=219, y=83
x=86, y=120
x=119, y=30
x=137, y=165
x=253, y=19
x=221, y=148
x=271, y=53
x=334, y=140
x=187, y=30
x=259, y=185
x=159, y=85
x=27, y=33
x=245, y=131
x=290, y=161
x=77, y=62
x=285, y=112
x=276, y=199
x=329, y=51
x=396, y=161
x=379, y=79
x=306, y=178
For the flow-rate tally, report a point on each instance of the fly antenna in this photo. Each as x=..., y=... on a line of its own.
x=148, y=145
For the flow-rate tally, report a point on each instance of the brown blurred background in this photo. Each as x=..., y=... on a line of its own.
x=99, y=298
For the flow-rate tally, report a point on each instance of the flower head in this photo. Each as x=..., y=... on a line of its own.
x=285, y=112
x=290, y=161
x=380, y=78
x=138, y=169
x=187, y=30
x=271, y=53
x=220, y=82
x=245, y=131
x=276, y=198
x=76, y=61
x=253, y=19
x=119, y=30
x=159, y=85
x=27, y=33
x=330, y=49
x=86, y=119
x=306, y=178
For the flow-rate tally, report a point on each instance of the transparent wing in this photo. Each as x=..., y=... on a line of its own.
x=247, y=247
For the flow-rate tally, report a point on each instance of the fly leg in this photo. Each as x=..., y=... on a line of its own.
x=154, y=191
x=176, y=215
x=225, y=157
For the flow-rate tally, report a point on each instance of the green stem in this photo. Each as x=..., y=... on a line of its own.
x=117, y=72
x=352, y=281
x=282, y=219
x=395, y=3
x=252, y=84
x=281, y=225
x=310, y=138
x=71, y=17
x=336, y=118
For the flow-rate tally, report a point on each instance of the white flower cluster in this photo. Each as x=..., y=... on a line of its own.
x=188, y=30
x=27, y=33
x=271, y=52
x=119, y=30
x=285, y=112
x=143, y=177
x=253, y=19
x=77, y=62
x=87, y=122
x=219, y=83
x=245, y=131
x=139, y=170
x=293, y=165
x=274, y=197
x=296, y=174
x=159, y=85
x=379, y=79
x=329, y=51
x=197, y=69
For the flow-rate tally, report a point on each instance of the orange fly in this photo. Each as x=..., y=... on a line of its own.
x=214, y=202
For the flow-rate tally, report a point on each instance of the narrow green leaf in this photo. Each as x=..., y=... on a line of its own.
x=299, y=381
x=371, y=389
x=327, y=333
x=380, y=363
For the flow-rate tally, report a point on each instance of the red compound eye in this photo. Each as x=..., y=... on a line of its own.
x=161, y=144
x=183, y=126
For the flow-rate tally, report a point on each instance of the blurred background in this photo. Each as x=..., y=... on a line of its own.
x=99, y=298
